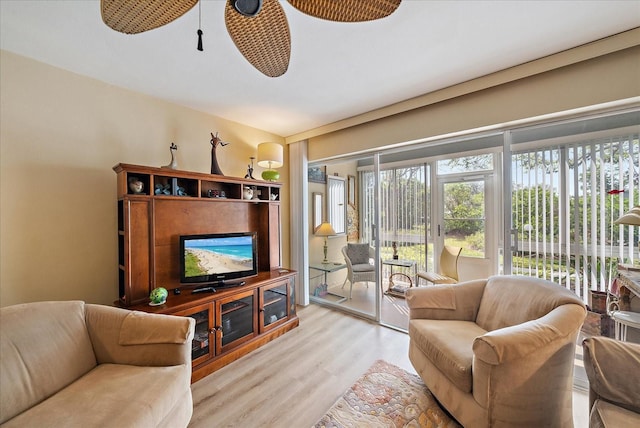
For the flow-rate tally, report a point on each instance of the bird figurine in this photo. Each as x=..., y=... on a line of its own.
x=174, y=163
x=215, y=142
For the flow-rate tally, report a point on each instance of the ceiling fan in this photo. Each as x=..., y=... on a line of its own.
x=259, y=28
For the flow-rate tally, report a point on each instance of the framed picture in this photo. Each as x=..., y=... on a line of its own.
x=318, y=210
x=351, y=190
x=318, y=174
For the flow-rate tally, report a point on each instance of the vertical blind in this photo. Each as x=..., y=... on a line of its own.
x=564, y=202
x=403, y=215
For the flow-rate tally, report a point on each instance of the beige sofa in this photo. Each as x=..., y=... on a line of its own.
x=71, y=364
x=497, y=352
x=613, y=369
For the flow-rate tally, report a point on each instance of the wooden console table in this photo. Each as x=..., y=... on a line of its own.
x=629, y=287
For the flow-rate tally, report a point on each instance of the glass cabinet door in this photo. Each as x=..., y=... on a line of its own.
x=275, y=305
x=203, y=343
x=237, y=322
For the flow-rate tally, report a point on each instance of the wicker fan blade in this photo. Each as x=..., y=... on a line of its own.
x=264, y=39
x=347, y=10
x=135, y=16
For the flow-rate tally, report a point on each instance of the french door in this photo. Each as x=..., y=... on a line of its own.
x=465, y=212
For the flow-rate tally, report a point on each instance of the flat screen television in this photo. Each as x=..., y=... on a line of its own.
x=218, y=259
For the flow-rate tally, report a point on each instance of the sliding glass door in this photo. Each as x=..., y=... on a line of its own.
x=553, y=189
x=403, y=207
x=342, y=196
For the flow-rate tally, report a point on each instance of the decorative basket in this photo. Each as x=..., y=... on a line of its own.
x=399, y=283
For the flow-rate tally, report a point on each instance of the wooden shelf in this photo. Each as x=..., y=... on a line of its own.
x=194, y=184
x=150, y=224
x=230, y=321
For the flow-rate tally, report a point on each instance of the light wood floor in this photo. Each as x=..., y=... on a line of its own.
x=292, y=381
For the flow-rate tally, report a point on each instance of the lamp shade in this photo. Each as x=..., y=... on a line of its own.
x=632, y=218
x=325, y=229
x=270, y=155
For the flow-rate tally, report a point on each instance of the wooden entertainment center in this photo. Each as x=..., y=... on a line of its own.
x=158, y=205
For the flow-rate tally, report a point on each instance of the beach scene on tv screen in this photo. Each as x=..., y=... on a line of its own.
x=218, y=255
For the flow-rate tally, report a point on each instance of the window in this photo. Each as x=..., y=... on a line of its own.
x=337, y=204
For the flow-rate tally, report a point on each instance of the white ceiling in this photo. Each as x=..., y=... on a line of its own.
x=337, y=70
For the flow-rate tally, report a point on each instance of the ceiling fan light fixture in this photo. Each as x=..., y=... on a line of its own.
x=247, y=7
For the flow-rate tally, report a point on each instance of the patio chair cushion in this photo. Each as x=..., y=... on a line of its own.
x=358, y=253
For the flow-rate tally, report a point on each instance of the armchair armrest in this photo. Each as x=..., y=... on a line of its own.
x=515, y=342
x=524, y=367
x=121, y=336
x=612, y=369
x=446, y=302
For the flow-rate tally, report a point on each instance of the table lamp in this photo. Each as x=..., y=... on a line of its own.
x=631, y=218
x=270, y=155
x=325, y=229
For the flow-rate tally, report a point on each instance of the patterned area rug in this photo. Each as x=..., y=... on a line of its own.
x=387, y=396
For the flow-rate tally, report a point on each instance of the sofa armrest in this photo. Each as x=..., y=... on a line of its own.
x=612, y=370
x=516, y=342
x=447, y=302
x=120, y=336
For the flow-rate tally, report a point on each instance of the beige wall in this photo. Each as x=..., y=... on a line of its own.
x=60, y=136
x=602, y=79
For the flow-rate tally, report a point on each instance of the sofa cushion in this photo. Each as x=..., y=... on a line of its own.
x=44, y=347
x=447, y=344
x=604, y=414
x=513, y=300
x=358, y=253
x=97, y=399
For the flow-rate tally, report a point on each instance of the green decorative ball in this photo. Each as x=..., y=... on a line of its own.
x=270, y=175
x=158, y=295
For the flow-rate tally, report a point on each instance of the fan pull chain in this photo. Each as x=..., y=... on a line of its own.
x=199, y=26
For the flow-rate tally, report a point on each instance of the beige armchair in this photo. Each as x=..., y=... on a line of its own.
x=360, y=267
x=71, y=364
x=613, y=369
x=497, y=352
x=448, y=271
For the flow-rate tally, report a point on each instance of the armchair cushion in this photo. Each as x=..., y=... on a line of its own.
x=605, y=414
x=532, y=300
x=612, y=369
x=446, y=344
x=363, y=267
x=434, y=302
x=358, y=254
